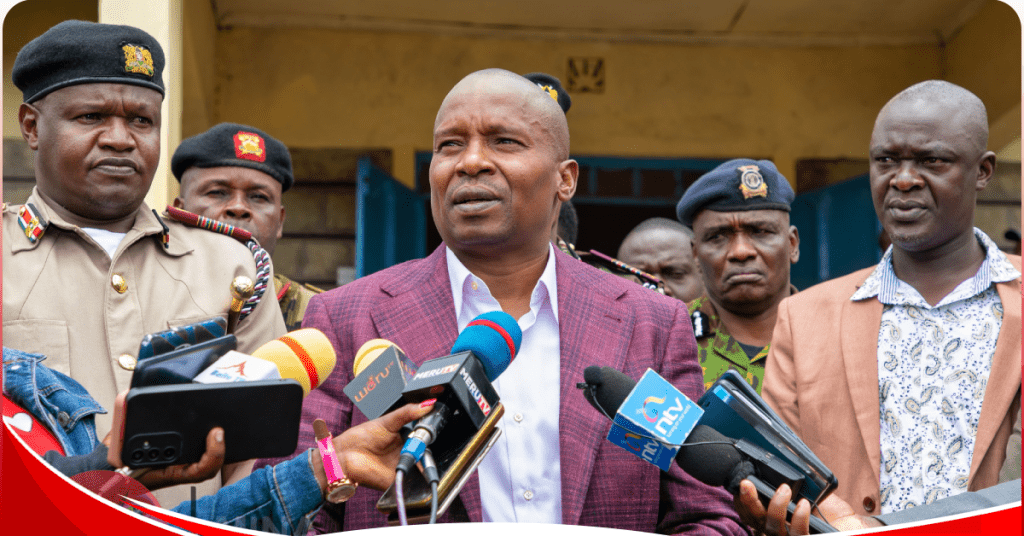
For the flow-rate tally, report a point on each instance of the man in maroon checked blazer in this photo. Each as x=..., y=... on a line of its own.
x=499, y=174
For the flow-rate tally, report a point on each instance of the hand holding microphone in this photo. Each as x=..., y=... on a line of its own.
x=462, y=382
x=368, y=452
x=772, y=520
x=467, y=407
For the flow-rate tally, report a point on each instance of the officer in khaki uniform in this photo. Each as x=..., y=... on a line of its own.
x=742, y=239
x=236, y=174
x=88, y=268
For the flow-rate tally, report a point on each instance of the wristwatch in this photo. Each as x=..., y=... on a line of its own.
x=340, y=488
x=340, y=491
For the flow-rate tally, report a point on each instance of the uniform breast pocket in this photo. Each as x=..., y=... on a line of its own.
x=198, y=329
x=46, y=337
x=206, y=321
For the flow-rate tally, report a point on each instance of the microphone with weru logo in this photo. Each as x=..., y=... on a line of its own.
x=451, y=441
x=381, y=371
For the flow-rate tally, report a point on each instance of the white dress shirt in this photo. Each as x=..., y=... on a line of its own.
x=520, y=478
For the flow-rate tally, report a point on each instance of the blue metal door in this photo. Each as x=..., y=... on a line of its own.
x=838, y=232
x=390, y=221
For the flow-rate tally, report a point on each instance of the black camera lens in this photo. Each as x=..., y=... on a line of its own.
x=153, y=454
x=137, y=455
x=170, y=453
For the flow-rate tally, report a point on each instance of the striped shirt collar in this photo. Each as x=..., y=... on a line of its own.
x=884, y=284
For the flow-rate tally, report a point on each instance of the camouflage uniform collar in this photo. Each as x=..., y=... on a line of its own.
x=705, y=320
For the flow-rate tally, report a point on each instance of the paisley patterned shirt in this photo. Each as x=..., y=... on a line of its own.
x=933, y=366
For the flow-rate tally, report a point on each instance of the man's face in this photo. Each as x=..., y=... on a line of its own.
x=667, y=255
x=239, y=196
x=927, y=166
x=745, y=257
x=496, y=180
x=97, y=147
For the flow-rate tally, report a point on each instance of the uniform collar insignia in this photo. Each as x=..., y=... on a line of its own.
x=32, y=222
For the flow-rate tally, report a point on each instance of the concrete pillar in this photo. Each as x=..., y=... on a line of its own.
x=163, y=20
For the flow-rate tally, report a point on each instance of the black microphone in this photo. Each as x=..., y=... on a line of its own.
x=461, y=383
x=707, y=455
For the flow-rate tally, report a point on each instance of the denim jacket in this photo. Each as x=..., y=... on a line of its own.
x=283, y=498
x=56, y=400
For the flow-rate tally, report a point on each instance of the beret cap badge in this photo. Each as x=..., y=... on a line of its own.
x=751, y=182
x=551, y=91
x=250, y=146
x=137, y=59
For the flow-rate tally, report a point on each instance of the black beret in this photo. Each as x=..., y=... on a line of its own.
x=79, y=52
x=553, y=87
x=231, y=144
x=741, y=184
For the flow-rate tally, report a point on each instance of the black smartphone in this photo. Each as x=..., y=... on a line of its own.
x=169, y=340
x=180, y=365
x=168, y=424
x=732, y=397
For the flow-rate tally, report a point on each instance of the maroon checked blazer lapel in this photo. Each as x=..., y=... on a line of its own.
x=420, y=316
x=594, y=329
x=420, y=319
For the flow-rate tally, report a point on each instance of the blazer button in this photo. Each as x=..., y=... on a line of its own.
x=869, y=504
x=119, y=284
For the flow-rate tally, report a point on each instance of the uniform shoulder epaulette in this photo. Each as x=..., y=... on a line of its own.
x=31, y=221
x=259, y=254
x=312, y=288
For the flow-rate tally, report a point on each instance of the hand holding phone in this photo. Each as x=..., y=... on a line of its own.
x=204, y=469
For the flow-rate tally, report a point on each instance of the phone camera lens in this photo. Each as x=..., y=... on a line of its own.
x=170, y=453
x=153, y=454
x=137, y=455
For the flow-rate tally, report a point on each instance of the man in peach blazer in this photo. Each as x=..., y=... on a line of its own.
x=905, y=378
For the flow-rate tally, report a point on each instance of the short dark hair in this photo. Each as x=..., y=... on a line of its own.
x=660, y=223
x=568, y=223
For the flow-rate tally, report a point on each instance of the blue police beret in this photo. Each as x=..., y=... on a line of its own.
x=231, y=144
x=80, y=52
x=553, y=86
x=741, y=184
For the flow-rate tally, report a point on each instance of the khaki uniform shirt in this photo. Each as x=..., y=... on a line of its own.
x=717, y=351
x=59, y=299
x=293, y=299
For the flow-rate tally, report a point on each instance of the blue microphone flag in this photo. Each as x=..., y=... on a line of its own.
x=654, y=420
